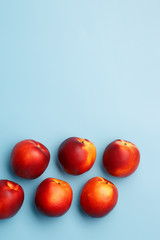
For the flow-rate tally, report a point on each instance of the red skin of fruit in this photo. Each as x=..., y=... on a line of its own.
x=53, y=197
x=11, y=198
x=29, y=159
x=98, y=197
x=76, y=155
x=121, y=158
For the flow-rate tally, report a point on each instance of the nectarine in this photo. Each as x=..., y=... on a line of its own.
x=76, y=155
x=29, y=159
x=53, y=197
x=121, y=158
x=11, y=198
x=98, y=197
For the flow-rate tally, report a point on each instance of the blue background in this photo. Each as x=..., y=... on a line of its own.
x=89, y=69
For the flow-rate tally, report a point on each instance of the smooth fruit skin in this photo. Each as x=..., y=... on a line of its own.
x=121, y=158
x=53, y=197
x=11, y=198
x=76, y=155
x=29, y=159
x=98, y=197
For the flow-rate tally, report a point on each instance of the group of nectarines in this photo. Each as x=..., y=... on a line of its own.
x=53, y=197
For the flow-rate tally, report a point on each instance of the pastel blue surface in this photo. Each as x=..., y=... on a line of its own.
x=88, y=69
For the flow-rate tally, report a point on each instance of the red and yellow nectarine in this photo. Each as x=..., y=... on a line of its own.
x=76, y=155
x=53, y=197
x=121, y=158
x=29, y=159
x=98, y=197
x=11, y=198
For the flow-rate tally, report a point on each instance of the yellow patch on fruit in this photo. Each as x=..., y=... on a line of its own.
x=90, y=152
x=12, y=186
